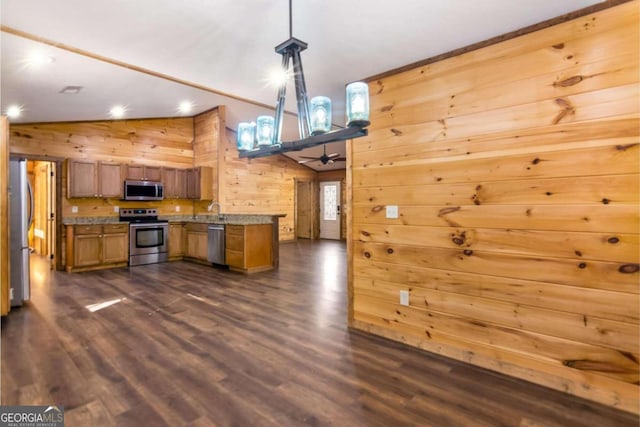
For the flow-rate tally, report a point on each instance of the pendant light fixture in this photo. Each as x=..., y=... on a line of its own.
x=264, y=136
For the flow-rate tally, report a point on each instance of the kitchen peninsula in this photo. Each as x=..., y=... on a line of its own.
x=251, y=241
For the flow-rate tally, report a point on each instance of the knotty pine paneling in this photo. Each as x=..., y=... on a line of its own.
x=261, y=186
x=208, y=127
x=515, y=168
x=158, y=142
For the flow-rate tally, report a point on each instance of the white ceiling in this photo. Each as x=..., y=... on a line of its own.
x=226, y=47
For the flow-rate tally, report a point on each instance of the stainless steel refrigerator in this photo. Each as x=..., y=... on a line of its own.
x=20, y=218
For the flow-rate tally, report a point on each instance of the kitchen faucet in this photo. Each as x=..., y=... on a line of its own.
x=210, y=207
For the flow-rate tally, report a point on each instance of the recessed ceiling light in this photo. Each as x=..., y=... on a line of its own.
x=14, y=111
x=38, y=59
x=118, y=111
x=185, y=107
x=71, y=90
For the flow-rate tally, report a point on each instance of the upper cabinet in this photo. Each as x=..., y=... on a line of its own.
x=175, y=183
x=200, y=183
x=143, y=173
x=88, y=178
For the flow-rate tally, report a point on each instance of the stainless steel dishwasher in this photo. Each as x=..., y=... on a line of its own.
x=215, y=244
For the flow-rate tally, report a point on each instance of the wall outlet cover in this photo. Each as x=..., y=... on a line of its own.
x=74, y=209
x=392, y=211
x=404, y=297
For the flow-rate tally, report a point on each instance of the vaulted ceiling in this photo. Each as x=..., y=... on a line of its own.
x=150, y=55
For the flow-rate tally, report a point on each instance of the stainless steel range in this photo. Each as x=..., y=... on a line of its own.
x=148, y=236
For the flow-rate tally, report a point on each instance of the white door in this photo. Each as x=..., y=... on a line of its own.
x=330, y=210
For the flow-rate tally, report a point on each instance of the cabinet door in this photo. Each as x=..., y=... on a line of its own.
x=181, y=183
x=82, y=178
x=176, y=240
x=193, y=183
x=110, y=182
x=135, y=172
x=153, y=173
x=169, y=179
x=115, y=248
x=197, y=245
x=86, y=250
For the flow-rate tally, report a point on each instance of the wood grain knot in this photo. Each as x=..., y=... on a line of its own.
x=606, y=201
x=386, y=108
x=625, y=147
x=578, y=253
x=380, y=86
x=365, y=233
x=396, y=132
x=629, y=268
x=558, y=46
x=582, y=265
x=367, y=255
x=468, y=252
x=613, y=240
x=389, y=251
x=377, y=208
x=569, y=82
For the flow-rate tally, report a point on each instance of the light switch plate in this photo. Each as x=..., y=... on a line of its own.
x=392, y=211
x=177, y=208
x=74, y=209
x=404, y=297
x=116, y=209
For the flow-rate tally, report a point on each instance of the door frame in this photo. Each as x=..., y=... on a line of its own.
x=59, y=164
x=313, y=211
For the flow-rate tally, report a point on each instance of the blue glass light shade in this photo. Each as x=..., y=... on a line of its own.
x=320, y=114
x=357, y=104
x=246, y=136
x=264, y=130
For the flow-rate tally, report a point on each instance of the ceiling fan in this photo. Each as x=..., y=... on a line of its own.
x=325, y=158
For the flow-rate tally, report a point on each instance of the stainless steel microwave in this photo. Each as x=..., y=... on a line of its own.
x=143, y=190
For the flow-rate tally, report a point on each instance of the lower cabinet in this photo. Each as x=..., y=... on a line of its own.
x=196, y=241
x=97, y=246
x=176, y=241
x=248, y=248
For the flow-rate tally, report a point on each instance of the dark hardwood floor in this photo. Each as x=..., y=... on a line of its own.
x=190, y=345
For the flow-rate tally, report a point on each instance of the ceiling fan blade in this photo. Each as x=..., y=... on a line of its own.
x=333, y=155
x=302, y=162
x=310, y=158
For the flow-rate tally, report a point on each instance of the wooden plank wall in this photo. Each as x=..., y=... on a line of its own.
x=5, y=305
x=515, y=168
x=338, y=175
x=259, y=186
x=208, y=127
x=158, y=142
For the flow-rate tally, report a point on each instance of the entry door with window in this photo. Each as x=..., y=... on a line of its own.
x=330, y=210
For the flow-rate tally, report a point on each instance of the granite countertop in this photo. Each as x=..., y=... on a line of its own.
x=236, y=219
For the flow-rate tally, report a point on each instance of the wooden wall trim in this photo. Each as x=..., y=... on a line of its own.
x=501, y=38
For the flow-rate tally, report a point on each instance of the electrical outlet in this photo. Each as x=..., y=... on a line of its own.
x=177, y=208
x=392, y=211
x=404, y=297
x=74, y=209
x=116, y=209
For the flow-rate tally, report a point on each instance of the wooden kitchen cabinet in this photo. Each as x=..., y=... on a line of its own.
x=92, y=247
x=177, y=237
x=144, y=173
x=89, y=178
x=200, y=183
x=248, y=248
x=196, y=241
x=175, y=183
